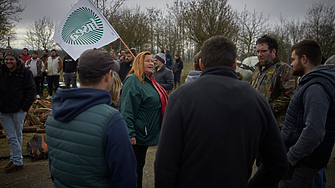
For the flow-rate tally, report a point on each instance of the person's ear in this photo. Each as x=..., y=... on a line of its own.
x=202, y=67
x=235, y=64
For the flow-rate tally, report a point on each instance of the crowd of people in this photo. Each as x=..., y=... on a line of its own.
x=98, y=134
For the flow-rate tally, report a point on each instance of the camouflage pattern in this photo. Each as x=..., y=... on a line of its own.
x=277, y=84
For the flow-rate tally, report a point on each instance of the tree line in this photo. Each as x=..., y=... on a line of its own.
x=184, y=25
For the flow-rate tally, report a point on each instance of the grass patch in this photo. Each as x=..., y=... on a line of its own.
x=188, y=67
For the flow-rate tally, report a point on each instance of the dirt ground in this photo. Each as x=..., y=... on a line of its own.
x=36, y=174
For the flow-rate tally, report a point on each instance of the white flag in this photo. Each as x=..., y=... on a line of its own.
x=84, y=27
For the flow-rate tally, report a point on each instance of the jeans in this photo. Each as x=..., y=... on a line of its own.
x=12, y=123
x=53, y=80
x=37, y=83
x=299, y=177
x=320, y=179
x=70, y=76
x=140, y=154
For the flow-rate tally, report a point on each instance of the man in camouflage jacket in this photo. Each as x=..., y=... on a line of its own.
x=273, y=78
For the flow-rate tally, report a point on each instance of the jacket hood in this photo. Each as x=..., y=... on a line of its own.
x=68, y=103
x=325, y=71
x=193, y=75
x=167, y=51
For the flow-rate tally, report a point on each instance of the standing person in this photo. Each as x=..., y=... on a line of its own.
x=197, y=71
x=169, y=59
x=44, y=58
x=203, y=144
x=162, y=75
x=273, y=78
x=116, y=89
x=25, y=56
x=53, y=66
x=70, y=71
x=116, y=60
x=17, y=93
x=177, y=68
x=142, y=106
x=123, y=55
x=309, y=128
x=95, y=152
x=36, y=66
x=126, y=65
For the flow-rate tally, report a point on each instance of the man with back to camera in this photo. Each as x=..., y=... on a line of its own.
x=88, y=140
x=203, y=144
x=309, y=127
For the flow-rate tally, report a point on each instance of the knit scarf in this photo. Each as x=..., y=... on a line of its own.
x=162, y=95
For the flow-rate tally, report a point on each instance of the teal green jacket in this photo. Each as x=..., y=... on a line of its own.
x=141, y=109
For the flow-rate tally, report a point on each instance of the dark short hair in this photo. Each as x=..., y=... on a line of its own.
x=46, y=50
x=25, y=49
x=196, y=61
x=177, y=55
x=310, y=48
x=53, y=50
x=270, y=41
x=122, y=50
x=218, y=50
x=91, y=81
x=34, y=52
x=132, y=51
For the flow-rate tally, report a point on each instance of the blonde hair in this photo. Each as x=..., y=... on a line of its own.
x=138, y=64
x=116, y=87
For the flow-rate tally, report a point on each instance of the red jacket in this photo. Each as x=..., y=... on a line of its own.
x=25, y=57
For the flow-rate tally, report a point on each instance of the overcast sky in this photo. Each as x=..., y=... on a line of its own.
x=57, y=9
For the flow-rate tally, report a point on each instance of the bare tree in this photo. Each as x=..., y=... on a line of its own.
x=39, y=34
x=251, y=27
x=10, y=11
x=320, y=26
x=207, y=18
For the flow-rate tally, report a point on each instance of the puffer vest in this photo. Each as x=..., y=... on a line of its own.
x=294, y=124
x=53, y=65
x=76, y=148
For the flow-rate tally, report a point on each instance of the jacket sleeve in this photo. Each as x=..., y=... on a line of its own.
x=168, y=81
x=42, y=67
x=64, y=64
x=130, y=103
x=120, y=157
x=273, y=156
x=60, y=64
x=288, y=83
x=170, y=145
x=316, y=104
x=29, y=88
x=181, y=65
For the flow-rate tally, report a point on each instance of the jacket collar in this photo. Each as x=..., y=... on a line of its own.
x=274, y=61
x=220, y=70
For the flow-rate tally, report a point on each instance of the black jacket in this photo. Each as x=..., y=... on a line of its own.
x=69, y=64
x=17, y=89
x=164, y=78
x=178, y=66
x=124, y=70
x=213, y=129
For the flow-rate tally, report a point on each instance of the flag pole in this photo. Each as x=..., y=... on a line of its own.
x=127, y=47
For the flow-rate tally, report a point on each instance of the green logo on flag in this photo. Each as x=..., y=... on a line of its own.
x=82, y=27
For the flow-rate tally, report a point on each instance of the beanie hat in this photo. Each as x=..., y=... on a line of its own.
x=13, y=53
x=161, y=57
x=94, y=63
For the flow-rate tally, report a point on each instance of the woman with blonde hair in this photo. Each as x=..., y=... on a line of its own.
x=142, y=106
x=116, y=88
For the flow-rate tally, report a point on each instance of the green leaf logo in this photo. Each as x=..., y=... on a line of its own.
x=82, y=27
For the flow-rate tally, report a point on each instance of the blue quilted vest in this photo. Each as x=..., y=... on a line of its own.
x=76, y=148
x=294, y=124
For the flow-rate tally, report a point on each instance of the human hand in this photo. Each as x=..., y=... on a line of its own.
x=133, y=141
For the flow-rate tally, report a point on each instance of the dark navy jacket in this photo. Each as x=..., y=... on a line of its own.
x=309, y=126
